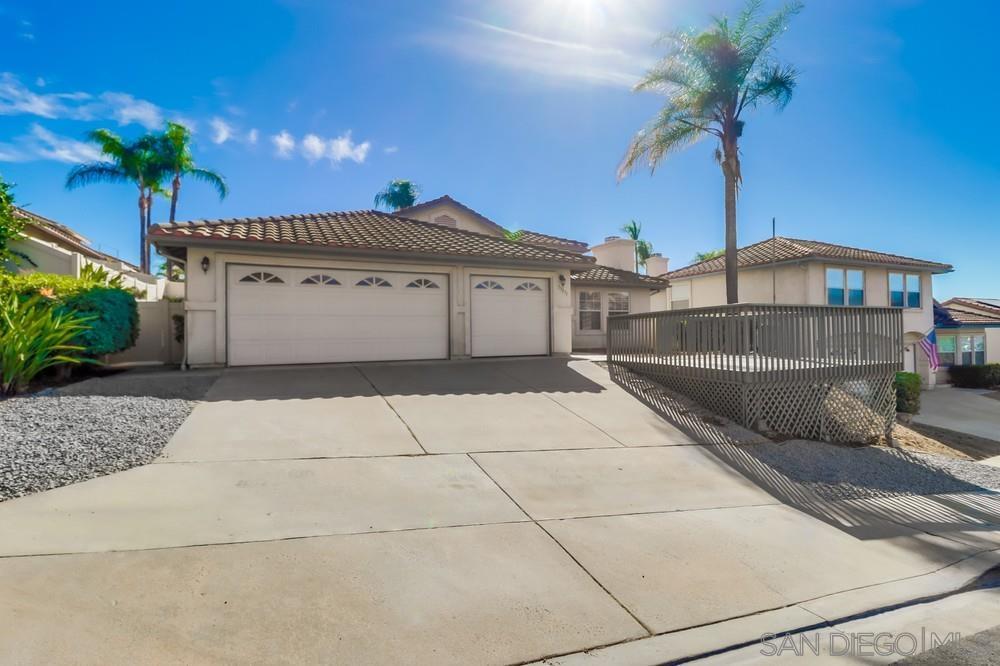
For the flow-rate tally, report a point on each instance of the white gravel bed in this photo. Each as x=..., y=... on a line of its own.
x=836, y=472
x=51, y=440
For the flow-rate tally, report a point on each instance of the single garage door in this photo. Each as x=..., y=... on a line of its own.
x=510, y=316
x=279, y=315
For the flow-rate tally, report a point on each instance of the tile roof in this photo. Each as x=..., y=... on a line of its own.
x=362, y=230
x=448, y=200
x=537, y=238
x=61, y=234
x=973, y=310
x=615, y=277
x=790, y=249
x=533, y=237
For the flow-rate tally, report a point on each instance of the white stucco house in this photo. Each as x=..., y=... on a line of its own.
x=968, y=332
x=434, y=281
x=48, y=246
x=806, y=272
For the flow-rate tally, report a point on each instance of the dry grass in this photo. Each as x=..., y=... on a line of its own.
x=929, y=439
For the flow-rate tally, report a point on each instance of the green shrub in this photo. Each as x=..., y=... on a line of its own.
x=115, y=326
x=116, y=319
x=35, y=335
x=908, y=392
x=975, y=376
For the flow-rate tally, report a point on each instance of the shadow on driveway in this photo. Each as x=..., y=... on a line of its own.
x=856, y=489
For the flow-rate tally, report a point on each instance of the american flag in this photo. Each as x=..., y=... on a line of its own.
x=929, y=345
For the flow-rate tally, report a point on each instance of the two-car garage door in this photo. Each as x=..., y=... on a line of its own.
x=317, y=315
x=281, y=314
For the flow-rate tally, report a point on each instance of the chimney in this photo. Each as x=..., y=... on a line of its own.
x=657, y=265
x=616, y=252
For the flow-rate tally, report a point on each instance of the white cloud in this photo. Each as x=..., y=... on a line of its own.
x=221, y=130
x=40, y=82
x=252, y=136
x=550, y=50
x=17, y=99
x=284, y=144
x=126, y=109
x=343, y=148
x=313, y=147
x=389, y=150
x=43, y=144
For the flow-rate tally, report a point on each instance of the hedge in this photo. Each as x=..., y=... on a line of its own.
x=116, y=326
x=975, y=376
x=908, y=392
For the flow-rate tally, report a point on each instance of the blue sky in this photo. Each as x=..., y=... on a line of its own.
x=521, y=109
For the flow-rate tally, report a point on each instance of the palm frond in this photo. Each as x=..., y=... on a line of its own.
x=743, y=21
x=668, y=133
x=212, y=178
x=95, y=172
x=775, y=85
x=633, y=229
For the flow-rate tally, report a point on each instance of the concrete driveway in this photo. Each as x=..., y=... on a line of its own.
x=470, y=512
x=970, y=411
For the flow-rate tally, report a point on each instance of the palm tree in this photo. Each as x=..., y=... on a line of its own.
x=398, y=194
x=707, y=254
x=136, y=162
x=643, y=248
x=174, y=148
x=709, y=79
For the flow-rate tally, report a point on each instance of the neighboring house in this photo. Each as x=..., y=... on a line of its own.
x=51, y=247
x=432, y=281
x=968, y=332
x=806, y=272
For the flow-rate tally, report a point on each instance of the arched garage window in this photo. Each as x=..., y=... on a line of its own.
x=489, y=284
x=321, y=278
x=422, y=283
x=262, y=277
x=527, y=286
x=374, y=281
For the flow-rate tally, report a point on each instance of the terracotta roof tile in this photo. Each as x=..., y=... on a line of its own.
x=366, y=230
x=973, y=310
x=789, y=249
x=614, y=277
x=556, y=242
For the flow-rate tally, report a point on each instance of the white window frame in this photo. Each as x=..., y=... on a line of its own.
x=971, y=338
x=906, y=292
x=580, y=310
x=628, y=303
x=954, y=354
x=847, y=289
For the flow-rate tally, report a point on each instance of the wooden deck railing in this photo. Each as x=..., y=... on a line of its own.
x=770, y=346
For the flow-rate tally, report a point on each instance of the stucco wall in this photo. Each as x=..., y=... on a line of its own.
x=206, y=301
x=463, y=220
x=639, y=301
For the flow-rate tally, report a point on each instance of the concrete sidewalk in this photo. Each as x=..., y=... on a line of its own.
x=469, y=513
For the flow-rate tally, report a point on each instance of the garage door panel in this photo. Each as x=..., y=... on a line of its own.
x=294, y=322
x=507, y=321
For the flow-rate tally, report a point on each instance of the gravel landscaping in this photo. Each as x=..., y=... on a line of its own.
x=837, y=472
x=92, y=428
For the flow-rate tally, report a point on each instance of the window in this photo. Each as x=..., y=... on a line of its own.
x=845, y=286
x=946, y=349
x=617, y=304
x=321, y=278
x=904, y=290
x=527, y=286
x=262, y=277
x=973, y=348
x=422, y=283
x=590, y=311
x=373, y=281
x=489, y=284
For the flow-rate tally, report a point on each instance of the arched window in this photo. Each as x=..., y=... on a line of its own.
x=373, y=281
x=489, y=284
x=262, y=277
x=527, y=286
x=321, y=278
x=422, y=283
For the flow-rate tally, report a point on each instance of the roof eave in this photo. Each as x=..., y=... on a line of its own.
x=167, y=240
x=934, y=268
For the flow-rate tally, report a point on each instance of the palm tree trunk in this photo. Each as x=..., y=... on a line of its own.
x=731, y=170
x=143, y=262
x=149, y=222
x=174, y=193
